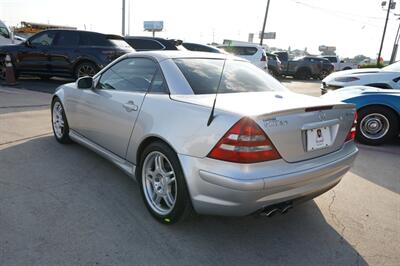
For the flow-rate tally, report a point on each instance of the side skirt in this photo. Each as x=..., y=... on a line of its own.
x=125, y=166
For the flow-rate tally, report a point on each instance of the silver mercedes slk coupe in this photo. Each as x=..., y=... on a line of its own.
x=208, y=132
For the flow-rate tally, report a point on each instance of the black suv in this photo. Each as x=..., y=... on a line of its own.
x=140, y=43
x=64, y=53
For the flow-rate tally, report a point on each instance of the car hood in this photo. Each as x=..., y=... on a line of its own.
x=356, y=91
x=257, y=103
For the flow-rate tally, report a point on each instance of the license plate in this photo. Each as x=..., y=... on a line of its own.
x=318, y=138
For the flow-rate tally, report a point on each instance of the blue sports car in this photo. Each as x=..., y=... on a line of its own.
x=378, y=112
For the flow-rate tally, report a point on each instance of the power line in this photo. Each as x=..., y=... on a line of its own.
x=337, y=13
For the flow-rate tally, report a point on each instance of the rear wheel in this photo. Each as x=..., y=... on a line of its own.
x=162, y=184
x=303, y=74
x=85, y=69
x=324, y=73
x=2, y=68
x=376, y=125
x=59, y=122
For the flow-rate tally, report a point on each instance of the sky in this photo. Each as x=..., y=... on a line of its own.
x=353, y=26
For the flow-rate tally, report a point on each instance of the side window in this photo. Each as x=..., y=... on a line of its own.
x=132, y=74
x=158, y=84
x=67, y=38
x=43, y=39
x=93, y=39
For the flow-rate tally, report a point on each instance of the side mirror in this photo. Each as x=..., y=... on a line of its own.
x=28, y=43
x=341, y=61
x=85, y=83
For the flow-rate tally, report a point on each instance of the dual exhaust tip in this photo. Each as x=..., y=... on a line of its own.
x=281, y=208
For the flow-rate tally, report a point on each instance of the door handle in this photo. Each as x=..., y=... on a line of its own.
x=130, y=106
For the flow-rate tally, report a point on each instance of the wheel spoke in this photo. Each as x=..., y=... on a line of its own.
x=168, y=201
x=171, y=180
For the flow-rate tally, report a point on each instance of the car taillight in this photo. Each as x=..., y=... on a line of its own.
x=352, y=134
x=245, y=142
x=263, y=58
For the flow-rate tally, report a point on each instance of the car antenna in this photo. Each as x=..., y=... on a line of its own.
x=211, y=118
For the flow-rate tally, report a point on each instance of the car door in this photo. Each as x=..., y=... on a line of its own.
x=33, y=58
x=108, y=112
x=63, y=53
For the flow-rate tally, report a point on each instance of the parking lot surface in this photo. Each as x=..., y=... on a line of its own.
x=63, y=204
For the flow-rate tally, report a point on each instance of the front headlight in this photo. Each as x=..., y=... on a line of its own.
x=346, y=79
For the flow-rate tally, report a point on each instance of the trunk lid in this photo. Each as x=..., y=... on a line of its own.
x=287, y=118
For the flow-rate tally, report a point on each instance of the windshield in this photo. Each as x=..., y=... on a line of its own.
x=204, y=75
x=393, y=67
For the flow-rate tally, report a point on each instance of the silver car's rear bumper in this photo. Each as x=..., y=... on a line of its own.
x=223, y=188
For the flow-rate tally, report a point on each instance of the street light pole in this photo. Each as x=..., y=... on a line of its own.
x=384, y=32
x=123, y=17
x=265, y=21
x=395, y=46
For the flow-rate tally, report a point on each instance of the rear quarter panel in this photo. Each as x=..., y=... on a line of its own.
x=391, y=101
x=181, y=125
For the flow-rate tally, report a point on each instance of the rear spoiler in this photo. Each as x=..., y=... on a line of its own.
x=176, y=42
x=114, y=37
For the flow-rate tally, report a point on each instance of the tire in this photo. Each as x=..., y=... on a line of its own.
x=156, y=184
x=303, y=74
x=59, y=122
x=323, y=74
x=2, y=68
x=376, y=125
x=85, y=69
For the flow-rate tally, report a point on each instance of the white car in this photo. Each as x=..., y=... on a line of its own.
x=384, y=78
x=340, y=64
x=6, y=37
x=253, y=53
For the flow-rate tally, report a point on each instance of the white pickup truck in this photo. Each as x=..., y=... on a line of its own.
x=340, y=64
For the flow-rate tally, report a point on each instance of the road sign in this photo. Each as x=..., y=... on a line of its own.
x=153, y=25
x=268, y=35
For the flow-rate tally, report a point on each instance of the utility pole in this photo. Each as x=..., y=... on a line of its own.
x=384, y=32
x=265, y=22
x=395, y=46
x=123, y=17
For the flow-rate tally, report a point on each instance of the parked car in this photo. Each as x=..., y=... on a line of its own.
x=64, y=53
x=340, y=64
x=201, y=48
x=274, y=65
x=384, y=78
x=307, y=67
x=140, y=43
x=6, y=36
x=259, y=148
x=253, y=53
x=378, y=112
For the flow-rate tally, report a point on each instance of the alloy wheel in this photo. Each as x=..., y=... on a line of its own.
x=374, y=126
x=86, y=70
x=159, y=183
x=58, y=120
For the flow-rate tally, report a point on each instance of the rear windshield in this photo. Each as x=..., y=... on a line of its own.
x=120, y=43
x=204, y=76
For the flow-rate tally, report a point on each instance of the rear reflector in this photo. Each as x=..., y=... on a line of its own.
x=245, y=142
x=352, y=134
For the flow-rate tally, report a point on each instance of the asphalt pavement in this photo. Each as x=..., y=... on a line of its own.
x=65, y=205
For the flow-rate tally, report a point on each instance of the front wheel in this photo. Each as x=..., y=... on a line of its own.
x=162, y=184
x=376, y=125
x=59, y=122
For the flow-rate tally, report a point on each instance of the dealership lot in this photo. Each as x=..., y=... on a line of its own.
x=66, y=205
